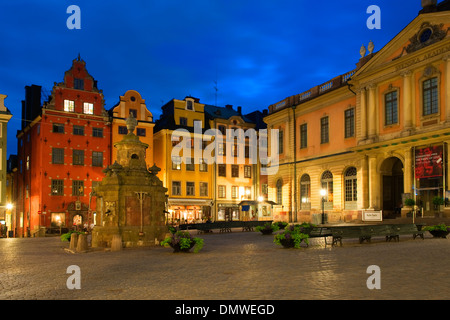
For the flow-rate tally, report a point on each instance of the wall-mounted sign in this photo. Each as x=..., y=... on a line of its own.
x=370, y=215
x=429, y=162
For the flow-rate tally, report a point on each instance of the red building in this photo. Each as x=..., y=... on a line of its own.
x=62, y=149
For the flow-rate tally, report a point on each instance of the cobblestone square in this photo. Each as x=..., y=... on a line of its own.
x=232, y=266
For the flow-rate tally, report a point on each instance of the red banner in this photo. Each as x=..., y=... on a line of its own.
x=429, y=162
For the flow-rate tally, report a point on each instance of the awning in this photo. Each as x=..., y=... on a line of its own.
x=189, y=202
x=255, y=203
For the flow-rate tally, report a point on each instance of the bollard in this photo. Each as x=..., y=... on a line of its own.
x=73, y=241
x=116, y=243
x=82, y=243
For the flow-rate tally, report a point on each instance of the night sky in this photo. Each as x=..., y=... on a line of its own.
x=259, y=52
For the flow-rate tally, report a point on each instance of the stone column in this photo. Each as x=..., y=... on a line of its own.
x=363, y=120
x=407, y=101
x=447, y=85
x=408, y=172
x=374, y=183
x=372, y=112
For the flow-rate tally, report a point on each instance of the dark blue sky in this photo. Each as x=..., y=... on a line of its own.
x=259, y=52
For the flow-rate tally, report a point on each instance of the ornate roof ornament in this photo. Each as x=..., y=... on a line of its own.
x=427, y=35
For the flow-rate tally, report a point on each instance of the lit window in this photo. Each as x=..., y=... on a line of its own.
x=69, y=105
x=88, y=108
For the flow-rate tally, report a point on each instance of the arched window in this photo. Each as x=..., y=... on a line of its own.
x=305, y=192
x=279, y=191
x=327, y=184
x=351, y=190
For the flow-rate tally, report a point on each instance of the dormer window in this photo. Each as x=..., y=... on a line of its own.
x=189, y=105
x=78, y=84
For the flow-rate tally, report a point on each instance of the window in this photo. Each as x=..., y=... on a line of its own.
x=247, y=171
x=248, y=193
x=234, y=192
x=58, y=127
x=176, y=188
x=189, y=105
x=265, y=189
x=327, y=184
x=430, y=96
x=183, y=121
x=280, y=141
x=303, y=135
x=350, y=123
x=97, y=159
x=235, y=150
x=350, y=183
x=221, y=149
x=57, y=187
x=78, y=130
x=222, y=170
x=97, y=132
x=222, y=129
x=28, y=162
x=305, y=192
x=123, y=130
x=78, y=84
x=77, y=187
x=203, y=189
x=390, y=108
x=190, y=188
x=140, y=132
x=222, y=192
x=324, y=138
x=176, y=163
x=235, y=171
x=190, y=166
x=78, y=157
x=88, y=108
x=69, y=105
x=133, y=112
x=57, y=155
x=279, y=191
x=203, y=167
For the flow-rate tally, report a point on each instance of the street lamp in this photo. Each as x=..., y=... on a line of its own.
x=323, y=193
x=9, y=206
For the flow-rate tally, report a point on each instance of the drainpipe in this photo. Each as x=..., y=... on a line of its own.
x=295, y=165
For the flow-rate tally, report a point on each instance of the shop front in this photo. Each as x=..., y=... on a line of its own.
x=430, y=179
x=182, y=211
x=256, y=210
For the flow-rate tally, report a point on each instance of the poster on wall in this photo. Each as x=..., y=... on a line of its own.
x=429, y=162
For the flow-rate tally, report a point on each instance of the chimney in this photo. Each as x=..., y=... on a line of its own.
x=229, y=106
x=429, y=6
x=239, y=110
x=265, y=112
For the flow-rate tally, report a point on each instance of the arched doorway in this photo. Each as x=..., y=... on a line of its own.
x=392, y=187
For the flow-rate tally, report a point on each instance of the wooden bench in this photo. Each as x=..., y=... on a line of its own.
x=226, y=226
x=365, y=233
x=320, y=232
x=404, y=229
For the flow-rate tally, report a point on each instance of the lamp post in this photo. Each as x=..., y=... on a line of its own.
x=323, y=193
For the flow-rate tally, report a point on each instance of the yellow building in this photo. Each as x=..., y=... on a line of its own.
x=372, y=137
x=5, y=116
x=189, y=185
x=202, y=190
x=132, y=102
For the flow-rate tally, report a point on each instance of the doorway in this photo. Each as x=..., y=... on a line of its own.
x=392, y=187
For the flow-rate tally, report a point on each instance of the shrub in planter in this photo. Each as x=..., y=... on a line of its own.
x=292, y=237
x=409, y=202
x=281, y=224
x=267, y=228
x=438, y=231
x=67, y=236
x=182, y=241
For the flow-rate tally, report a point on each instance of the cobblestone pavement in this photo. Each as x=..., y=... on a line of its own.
x=240, y=265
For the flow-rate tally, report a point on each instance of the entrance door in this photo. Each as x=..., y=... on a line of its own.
x=392, y=179
x=428, y=189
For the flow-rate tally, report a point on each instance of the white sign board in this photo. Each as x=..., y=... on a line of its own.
x=370, y=215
